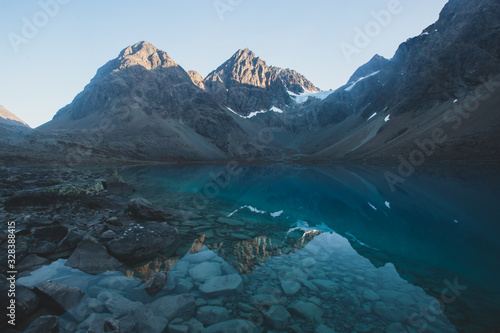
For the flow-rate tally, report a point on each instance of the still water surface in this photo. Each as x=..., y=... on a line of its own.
x=316, y=247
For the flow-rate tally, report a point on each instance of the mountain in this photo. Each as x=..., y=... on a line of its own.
x=144, y=106
x=246, y=84
x=9, y=119
x=389, y=104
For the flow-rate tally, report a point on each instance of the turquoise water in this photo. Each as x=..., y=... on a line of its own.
x=333, y=245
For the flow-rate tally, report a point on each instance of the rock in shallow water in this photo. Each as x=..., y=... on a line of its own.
x=231, y=326
x=210, y=315
x=226, y=285
x=58, y=296
x=175, y=306
x=278, y=317
x=45, y=324
x=204, y=271
x=156, y=284
x=92, y=258
x=306, y=310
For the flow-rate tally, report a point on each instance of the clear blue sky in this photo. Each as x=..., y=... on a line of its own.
x=55, y=63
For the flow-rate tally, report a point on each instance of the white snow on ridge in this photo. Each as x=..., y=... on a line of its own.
x=373, y=115
x=387, y=118
x=275, y=109
x=359, y=80
x=302, y=98
x=253, y=114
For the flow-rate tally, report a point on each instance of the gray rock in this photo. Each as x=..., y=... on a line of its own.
x=156, y=284
x=306, y=310
x=226, y=285
x=31, y=263
x=178, y=329
x=91, y=257
x=44, y=324
x=204, y=271
x=42, y=247
x=141, y=242
x=52, y=234
x=72, y=239
x=231, y=326
x=325, y=329
x=118, y=282
x=325, y=285
x=184, y=286
x=26, y=302
x=150, y=320
x=204, y=255
x=175, y=306
x=142, y=208
x=194, y=325
x=209, y=315
x=278, y=317
x=290, y=287
x=60, y=297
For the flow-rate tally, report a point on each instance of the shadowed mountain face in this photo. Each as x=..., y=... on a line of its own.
x=145, y=96
x=144, y=106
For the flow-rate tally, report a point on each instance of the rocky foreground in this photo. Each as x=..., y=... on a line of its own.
x=93, y=221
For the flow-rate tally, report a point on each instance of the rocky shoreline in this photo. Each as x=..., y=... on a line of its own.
x=92, y=220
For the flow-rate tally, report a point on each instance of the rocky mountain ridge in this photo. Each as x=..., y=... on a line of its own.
x=246, y=109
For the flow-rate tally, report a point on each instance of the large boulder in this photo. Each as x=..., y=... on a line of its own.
x=92, y=257
x=142, y=241
x=58, y=296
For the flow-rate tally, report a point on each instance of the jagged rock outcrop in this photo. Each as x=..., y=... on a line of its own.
x=197, y=79
x=246, y=84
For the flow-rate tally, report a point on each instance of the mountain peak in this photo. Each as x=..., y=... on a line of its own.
x=146, y=55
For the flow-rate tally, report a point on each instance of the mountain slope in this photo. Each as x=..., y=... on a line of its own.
x=9, y=119
x=143, y=105
x=385, y=100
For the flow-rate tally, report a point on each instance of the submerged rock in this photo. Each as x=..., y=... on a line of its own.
x=278, y=317
x=92, y=258
x=306, y=310
x=156, y=284
x=226, y=285
x=44, y=324
x=231, y=326
x=143, y=209
x=58, y=296
x=204, y=271
x=210, y=315
x=175, y=306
